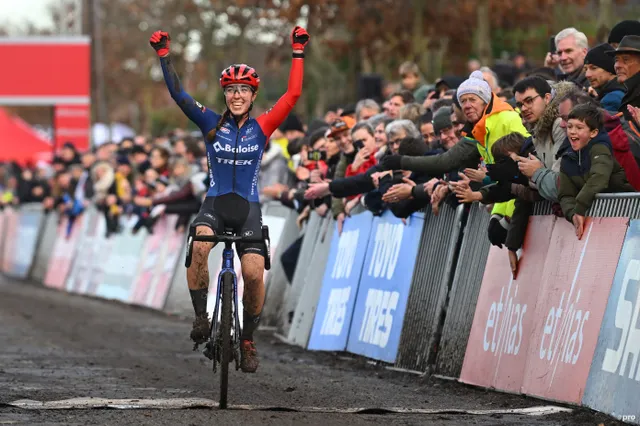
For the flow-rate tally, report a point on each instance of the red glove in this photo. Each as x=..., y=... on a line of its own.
x=299, y=38
x=160, y=41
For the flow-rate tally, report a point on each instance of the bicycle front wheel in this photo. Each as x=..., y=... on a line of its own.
x=225, y=333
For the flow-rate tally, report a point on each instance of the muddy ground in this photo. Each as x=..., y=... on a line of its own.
x=55, y=346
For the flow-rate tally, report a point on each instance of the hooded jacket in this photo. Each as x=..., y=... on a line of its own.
x=586, y=172
x=611, y=94
x=548, y=138
x=547, y=134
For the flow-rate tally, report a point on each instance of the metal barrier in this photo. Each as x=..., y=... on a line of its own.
x=621, y=204
x=308, y=301
x=430, y=285
x=292, y=293
x=616, y=205
x=463, y=296
x=10, y=235
x=277, y=283
x=26, y=222
x=542, y=208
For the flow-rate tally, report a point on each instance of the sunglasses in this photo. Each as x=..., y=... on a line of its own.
x=240, y=88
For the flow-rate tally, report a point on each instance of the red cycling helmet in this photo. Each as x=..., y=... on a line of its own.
x=240, y=74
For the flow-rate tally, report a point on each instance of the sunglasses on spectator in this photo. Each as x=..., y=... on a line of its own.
x=243, y=89
x=527, y=102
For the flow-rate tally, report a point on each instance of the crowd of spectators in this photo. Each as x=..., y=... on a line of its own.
x=506, y=137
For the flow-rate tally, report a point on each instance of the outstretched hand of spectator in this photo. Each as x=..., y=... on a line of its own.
x=476, y=175
x=513, y=262
x=578, y=222
x=528, y=166
x=438, y=195
x=375, y=177
x=429, y=186
x=350, y=205
x=399, y=191
x=340, y=222
x=302, y=217
x=317, y=190
x=322, y=210
x=463, y=190
x=635, y=113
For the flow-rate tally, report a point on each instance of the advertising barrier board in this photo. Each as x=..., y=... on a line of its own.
x=24, y=250
x=340, y=284
x=64, y=252
x=157, y=264
x=574, y=288
x=614, y=380
x=120, y=265
x=497, y=349
x=384, y=287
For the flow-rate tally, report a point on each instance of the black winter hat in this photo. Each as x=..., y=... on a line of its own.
x=624, y=28
x=292, y=122
x=597, y=56
x=442, y=120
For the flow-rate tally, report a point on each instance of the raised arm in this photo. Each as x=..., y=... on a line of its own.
x=203, y=117
x=270, y=120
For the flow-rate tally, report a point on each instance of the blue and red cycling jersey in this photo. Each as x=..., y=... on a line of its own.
x=234, y=154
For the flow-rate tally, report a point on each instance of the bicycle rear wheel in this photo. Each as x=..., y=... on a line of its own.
x=225, y=334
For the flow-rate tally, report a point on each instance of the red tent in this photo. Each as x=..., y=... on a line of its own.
x=20, y=143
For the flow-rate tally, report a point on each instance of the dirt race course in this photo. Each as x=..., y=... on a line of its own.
x=121, y=365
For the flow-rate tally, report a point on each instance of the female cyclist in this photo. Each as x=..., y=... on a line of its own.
x=235, y=143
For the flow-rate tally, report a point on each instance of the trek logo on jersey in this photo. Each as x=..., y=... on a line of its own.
x=234, y=162
x=239, y=150
x=202, y=107
x=246, y=138
x=225, y=130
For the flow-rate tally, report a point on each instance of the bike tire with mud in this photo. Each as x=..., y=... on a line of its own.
x=225, y=332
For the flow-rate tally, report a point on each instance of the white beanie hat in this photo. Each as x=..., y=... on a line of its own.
x=476, y=85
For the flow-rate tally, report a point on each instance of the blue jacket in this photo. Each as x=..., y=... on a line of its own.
x=611, y=95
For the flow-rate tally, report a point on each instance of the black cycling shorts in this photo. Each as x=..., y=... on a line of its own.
x=232, y=212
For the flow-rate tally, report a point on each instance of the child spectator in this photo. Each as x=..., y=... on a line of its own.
x=588, y=167
x=510, y=184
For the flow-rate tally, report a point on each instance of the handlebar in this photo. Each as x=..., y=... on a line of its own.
x=228, y=239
